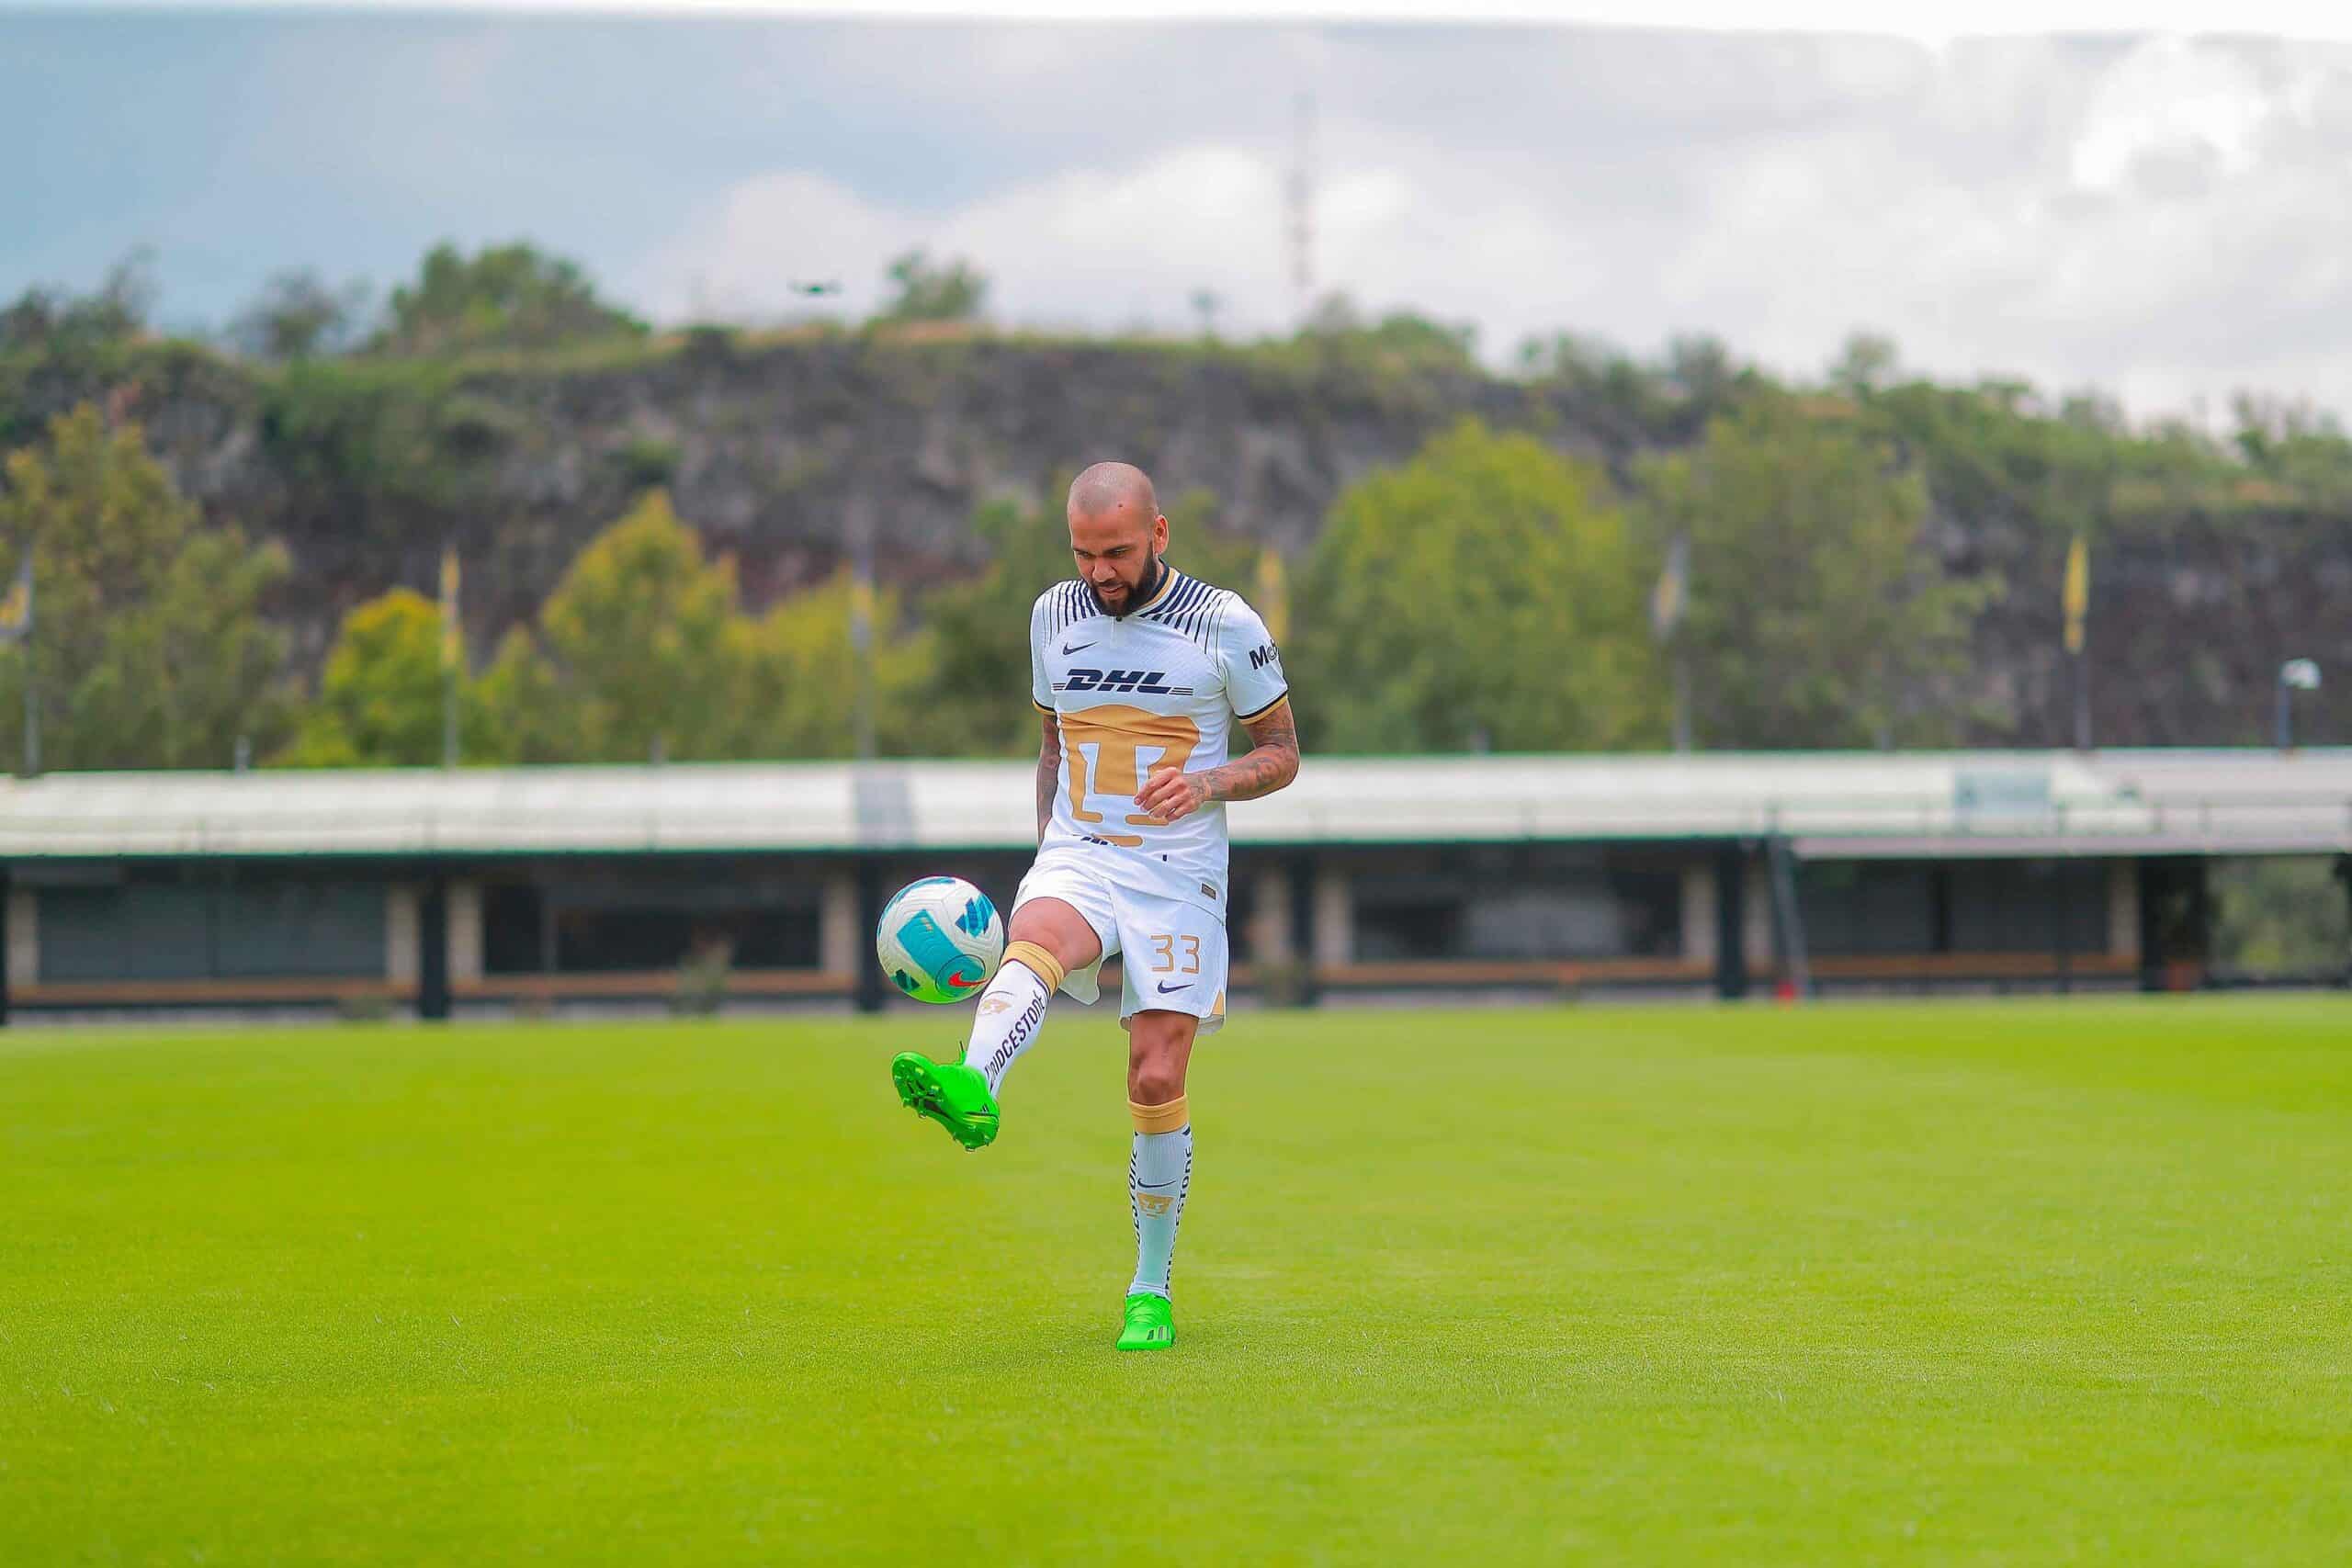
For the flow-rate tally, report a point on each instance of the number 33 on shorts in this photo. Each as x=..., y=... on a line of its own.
x=1179, y=970
x=1163, y=950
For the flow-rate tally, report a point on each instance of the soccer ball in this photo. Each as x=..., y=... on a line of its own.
x=940, y=939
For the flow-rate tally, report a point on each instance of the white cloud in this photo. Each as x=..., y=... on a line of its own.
x=1085, y=248
x=1099, y=248
x=2189, y=242
x=2162, y=220
x=2171, y=99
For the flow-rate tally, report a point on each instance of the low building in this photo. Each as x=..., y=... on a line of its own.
x=484, y=888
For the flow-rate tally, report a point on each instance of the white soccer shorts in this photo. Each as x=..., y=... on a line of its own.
x=1174, y=952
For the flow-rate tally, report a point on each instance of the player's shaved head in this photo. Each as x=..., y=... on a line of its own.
x=1106, y=490
x=1116, y=535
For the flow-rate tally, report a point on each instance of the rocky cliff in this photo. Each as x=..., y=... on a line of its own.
x=790, y=451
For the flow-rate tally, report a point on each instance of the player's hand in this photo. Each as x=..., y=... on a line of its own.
x=1171, y=793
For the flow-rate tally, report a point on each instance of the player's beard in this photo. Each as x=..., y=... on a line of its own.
x=1138, y=594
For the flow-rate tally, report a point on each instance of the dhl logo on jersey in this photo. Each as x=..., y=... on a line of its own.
x=1117, y=680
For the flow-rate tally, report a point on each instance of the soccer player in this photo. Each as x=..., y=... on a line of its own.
x=1142, y=674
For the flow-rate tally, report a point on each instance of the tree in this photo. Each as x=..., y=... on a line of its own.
x=148, y=649
x=639, y=652
x=1403, y=337
x=804, y=681
x=62, y=322
x=297, y=316
x=2281, y=915
x=1706, y=378
x=531, y=714
x=1333, y=315
x=642, y=651
x=1614, y=391
x=1869, y=363
x=1484, y=595
x=380, y=697
x=927, y=293
x=1817, y=617
x=1200, y=542
x=1416, y=337
x=505, y=296
x=983, y=622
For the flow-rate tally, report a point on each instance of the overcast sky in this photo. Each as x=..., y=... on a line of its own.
x=2164, y=218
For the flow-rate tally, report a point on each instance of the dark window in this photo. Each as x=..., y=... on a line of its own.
x=298, y=928
x=2029, y=906
x=511, y=942
x=1521, y=902
x=594, y=941
x=1866, y=907
x=167, y=929
x=135, y=933
x=622, y=916
x=1394, y=928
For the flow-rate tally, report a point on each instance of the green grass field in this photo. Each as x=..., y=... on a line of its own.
x=1953, y=1283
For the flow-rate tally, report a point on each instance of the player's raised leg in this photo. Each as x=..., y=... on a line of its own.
x=1159, y=1169
x=1049, y=938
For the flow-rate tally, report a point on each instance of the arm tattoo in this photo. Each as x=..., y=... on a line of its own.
x=1271, y=763
x=1049, y=773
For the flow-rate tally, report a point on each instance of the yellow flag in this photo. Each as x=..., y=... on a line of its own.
x=1273, y=594
x=1671, y=596
x=2077, y=592
x=453, y=642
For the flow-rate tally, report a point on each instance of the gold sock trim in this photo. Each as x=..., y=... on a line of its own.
x=1169, y=1118
x=1038, y=962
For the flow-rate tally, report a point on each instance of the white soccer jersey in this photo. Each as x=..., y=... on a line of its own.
x=1168, y=684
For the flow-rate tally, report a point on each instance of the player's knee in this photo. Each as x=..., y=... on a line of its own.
x=1058, y=928
x=1156, y=1078
x=1156, y=1054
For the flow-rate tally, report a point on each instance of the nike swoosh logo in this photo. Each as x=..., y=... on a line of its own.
x=1074, y=647
x=1165, y=988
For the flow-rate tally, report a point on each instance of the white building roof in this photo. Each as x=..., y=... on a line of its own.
x=1831, y=803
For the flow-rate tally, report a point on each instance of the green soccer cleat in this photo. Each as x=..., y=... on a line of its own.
x=1151, y=1323
x=955, y=1096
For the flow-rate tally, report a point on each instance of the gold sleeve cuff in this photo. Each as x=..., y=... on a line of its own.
x=1250, y=717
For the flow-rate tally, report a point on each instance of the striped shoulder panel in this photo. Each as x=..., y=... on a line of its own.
x=1218, y=612
x=1189, y=606
x=1068, y=603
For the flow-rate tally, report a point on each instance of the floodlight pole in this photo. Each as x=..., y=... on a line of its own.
x=860, y=627
x=2082, y=701
x=32, y=712
x=448, y=718
x=1681, y=700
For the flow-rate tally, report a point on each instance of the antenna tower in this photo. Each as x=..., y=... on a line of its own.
x=1301, y=194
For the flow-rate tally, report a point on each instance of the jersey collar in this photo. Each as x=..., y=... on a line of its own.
x=1160, y=586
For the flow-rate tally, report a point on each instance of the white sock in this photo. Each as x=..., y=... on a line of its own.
x=1012, y=1011
x=1159, y=1172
